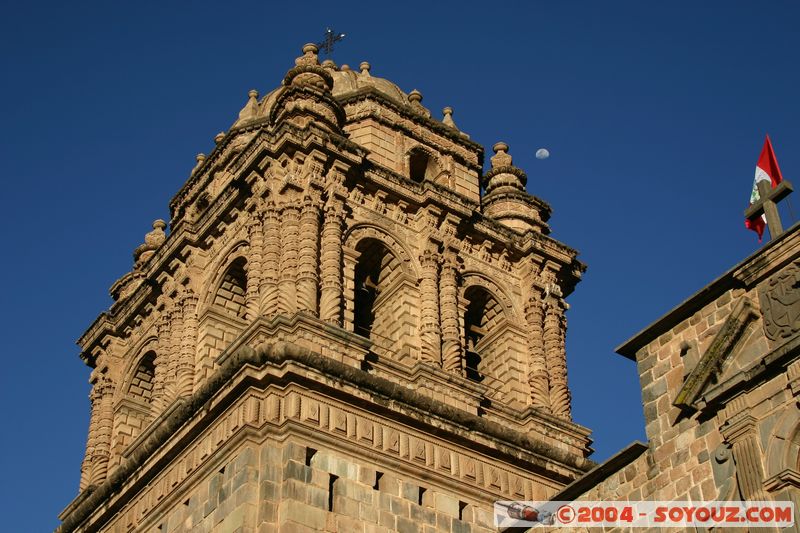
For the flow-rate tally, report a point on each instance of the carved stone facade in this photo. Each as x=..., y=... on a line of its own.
x=720, y=377
x=339, y=332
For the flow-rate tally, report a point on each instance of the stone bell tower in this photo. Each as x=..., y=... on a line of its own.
x=339, y=332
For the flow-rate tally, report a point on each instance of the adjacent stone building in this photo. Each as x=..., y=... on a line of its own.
x=348, y=327
x=720, y=377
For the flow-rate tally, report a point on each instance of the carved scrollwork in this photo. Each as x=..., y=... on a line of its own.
x=780, y=303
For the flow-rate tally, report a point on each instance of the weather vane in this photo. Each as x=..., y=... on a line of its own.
x=331, y=37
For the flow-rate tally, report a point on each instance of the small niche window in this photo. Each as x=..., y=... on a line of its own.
x=421, y=165
x=310, y=453
x=331, y=488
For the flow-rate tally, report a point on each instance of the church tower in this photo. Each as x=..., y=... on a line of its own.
x=347, y=327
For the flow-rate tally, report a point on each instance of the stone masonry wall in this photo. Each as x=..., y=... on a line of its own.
x=734, y=451
x=289, y=487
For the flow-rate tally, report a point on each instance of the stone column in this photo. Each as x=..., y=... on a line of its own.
x=271, y=262
x=349, y=260
x=452, y=357
x=255, y=230
x=740, y=430
x=101, y=398
x=158, y=400
x=185, y=368
x=91, y=441
x=330, y=309
x=289, y=231
x=430, y=331
x=537, y=363
x=173, y=354
x=556, y=357
x=307, y=276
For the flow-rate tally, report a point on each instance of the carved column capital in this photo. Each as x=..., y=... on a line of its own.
x=430, y=259
x=102, y=384
x=788, y=478
x=335, y=210
x=738, y=427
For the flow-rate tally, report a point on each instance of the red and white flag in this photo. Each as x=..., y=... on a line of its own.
x=767, y=169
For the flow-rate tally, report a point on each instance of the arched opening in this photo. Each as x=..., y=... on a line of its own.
x=783, y=451
x=141, y=385
x=230, y=295
x=365, y=294
x=135, y=410
x=421, y=165
x=482, y=316
x=203, y=202
x=378, y=299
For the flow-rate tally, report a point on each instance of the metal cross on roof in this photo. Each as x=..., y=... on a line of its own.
x=331, y=37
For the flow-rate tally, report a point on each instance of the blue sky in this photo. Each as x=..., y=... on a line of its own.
x=654, y=114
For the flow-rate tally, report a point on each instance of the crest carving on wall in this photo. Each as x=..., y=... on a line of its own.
x=780, y=303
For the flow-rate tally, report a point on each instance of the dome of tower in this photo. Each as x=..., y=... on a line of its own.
x=347, y=81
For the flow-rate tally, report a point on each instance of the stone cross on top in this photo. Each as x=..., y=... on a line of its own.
x=767, y=204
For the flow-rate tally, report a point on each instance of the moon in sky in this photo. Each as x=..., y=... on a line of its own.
x=542, y=153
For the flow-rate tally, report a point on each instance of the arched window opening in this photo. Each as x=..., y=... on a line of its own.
x=482, y=314
x=141, y=386
x=368, y=274
x=366, y=293
x=376, y=303
x=230, y=296
x=421, y=165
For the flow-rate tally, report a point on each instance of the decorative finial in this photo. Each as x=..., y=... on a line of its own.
x=364, y=66
x=306, y=94
x=329, y=64
x=415, y=97
x=219, y=136
x=501, y=157
x=309, y=56
x=345, y=68
x=152, y=240
x=250, y=109
x=506, y=200
x=448, y=117
x=199, y=158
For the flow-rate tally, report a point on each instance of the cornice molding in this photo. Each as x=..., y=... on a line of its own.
x=203, y=406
